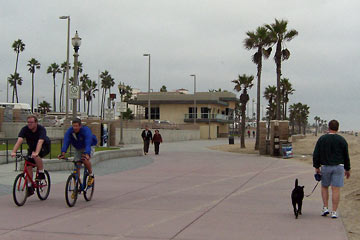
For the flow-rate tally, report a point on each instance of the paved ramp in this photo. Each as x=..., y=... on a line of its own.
x=187, y=193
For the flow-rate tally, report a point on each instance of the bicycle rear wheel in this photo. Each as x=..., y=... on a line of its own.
x=71, y=190
x=20, y=190
x=89, y=190
x=43, y=188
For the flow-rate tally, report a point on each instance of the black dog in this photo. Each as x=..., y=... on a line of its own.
x=297, y=197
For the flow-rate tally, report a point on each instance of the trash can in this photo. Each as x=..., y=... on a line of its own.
x=231, y=139
x=276, y=146
x=287, y=150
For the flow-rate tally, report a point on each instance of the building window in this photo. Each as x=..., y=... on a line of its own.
x=205, y=112
x=192, y=113
x=155, y=113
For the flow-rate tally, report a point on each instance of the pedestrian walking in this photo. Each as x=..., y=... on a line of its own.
x=248, y=132
x=147, y=137
x=156, y=141
x=253, y=133
x=331, y=160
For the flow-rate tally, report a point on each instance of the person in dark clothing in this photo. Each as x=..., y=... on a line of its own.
x=147, y=137
x=156, y=141
x=39, y=147
x=332, y=155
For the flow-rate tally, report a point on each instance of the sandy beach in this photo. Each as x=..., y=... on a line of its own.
x=350, y=194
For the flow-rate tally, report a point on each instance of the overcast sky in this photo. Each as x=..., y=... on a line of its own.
x=202, y=37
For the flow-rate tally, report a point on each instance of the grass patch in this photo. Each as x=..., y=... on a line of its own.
x=55, y=149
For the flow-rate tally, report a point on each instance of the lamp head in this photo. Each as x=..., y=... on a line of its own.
x=76, y=41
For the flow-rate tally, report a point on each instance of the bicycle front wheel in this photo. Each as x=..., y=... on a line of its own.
x=43, y=188
x=89, y=190
x=71, y=190
x=20, y=190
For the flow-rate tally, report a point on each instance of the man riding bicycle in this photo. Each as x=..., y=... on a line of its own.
x=39, y=147
x=82, y=139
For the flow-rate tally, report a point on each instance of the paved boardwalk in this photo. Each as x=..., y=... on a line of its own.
x=188, y=192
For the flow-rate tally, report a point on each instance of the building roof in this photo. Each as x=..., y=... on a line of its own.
x=221, y=98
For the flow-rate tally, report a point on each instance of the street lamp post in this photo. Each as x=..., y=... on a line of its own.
x=195, y=110
x=76, y=42
x=149, y=109
x=209, y=115
x=122, y=91
x=67, y=67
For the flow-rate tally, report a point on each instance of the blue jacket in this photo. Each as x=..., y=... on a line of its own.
x=82, y=140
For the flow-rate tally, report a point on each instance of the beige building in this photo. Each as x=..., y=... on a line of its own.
x=214, y=110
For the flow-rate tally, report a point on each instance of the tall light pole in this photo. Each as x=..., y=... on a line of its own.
x=122, y=91
x=195, y=110
x=76, y=42
x=149, y=109
x=67, y=67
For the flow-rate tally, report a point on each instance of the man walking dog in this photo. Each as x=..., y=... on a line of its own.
x=332, y=155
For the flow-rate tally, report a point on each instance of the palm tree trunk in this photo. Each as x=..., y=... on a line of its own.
x=242, y=139
x=278, y=75
x=259, y=67
x=15, y=88
x=88, y=107
x=54, y=99
x=32, y=92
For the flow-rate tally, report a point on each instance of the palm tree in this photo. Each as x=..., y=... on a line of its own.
x=258, y=40
x=54, y=69
x=279, y=35
x=90, y=92
x=286, y=90
x=270, y=95
x=14, y=80
x=63, y=68
x=18, y=47
x=33, y=64
x=106, y=83
x=243, y=83
x=44, y=107
x=317, y=119
x=163, y=88
x=84, y=86
x=299, y=114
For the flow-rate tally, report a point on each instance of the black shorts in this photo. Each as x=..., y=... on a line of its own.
x=43, y=152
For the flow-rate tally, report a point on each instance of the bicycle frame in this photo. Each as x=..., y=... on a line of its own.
x=26, y=174
x=76, y=172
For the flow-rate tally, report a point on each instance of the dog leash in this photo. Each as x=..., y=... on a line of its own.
x=312, y=190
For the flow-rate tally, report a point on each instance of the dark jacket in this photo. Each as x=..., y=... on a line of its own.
x=157, y=138
x=331, y=149
x=146, y=137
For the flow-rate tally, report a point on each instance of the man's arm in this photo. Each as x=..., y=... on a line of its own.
x=316, y=157
x=17, y=145
x=66, y=142
x=38, y=148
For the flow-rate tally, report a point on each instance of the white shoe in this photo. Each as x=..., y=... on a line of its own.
x=334, y=214
x=324, y=211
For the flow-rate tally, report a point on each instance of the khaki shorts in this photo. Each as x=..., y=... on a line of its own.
x=79, y=152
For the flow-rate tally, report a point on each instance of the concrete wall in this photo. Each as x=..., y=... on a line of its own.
x=133, y=136
x=12, y=129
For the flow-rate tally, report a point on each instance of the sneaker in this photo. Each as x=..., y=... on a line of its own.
x=40, y=176
x=334, y=214
x=324, y=211
x=90, y=180
x=30, y=191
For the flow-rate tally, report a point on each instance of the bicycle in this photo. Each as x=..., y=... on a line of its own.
x=74, y=185
x=20, y=187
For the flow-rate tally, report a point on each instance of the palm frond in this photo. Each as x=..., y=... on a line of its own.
x=285, y=53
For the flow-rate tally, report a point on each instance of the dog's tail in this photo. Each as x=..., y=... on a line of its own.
x=296, y=182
